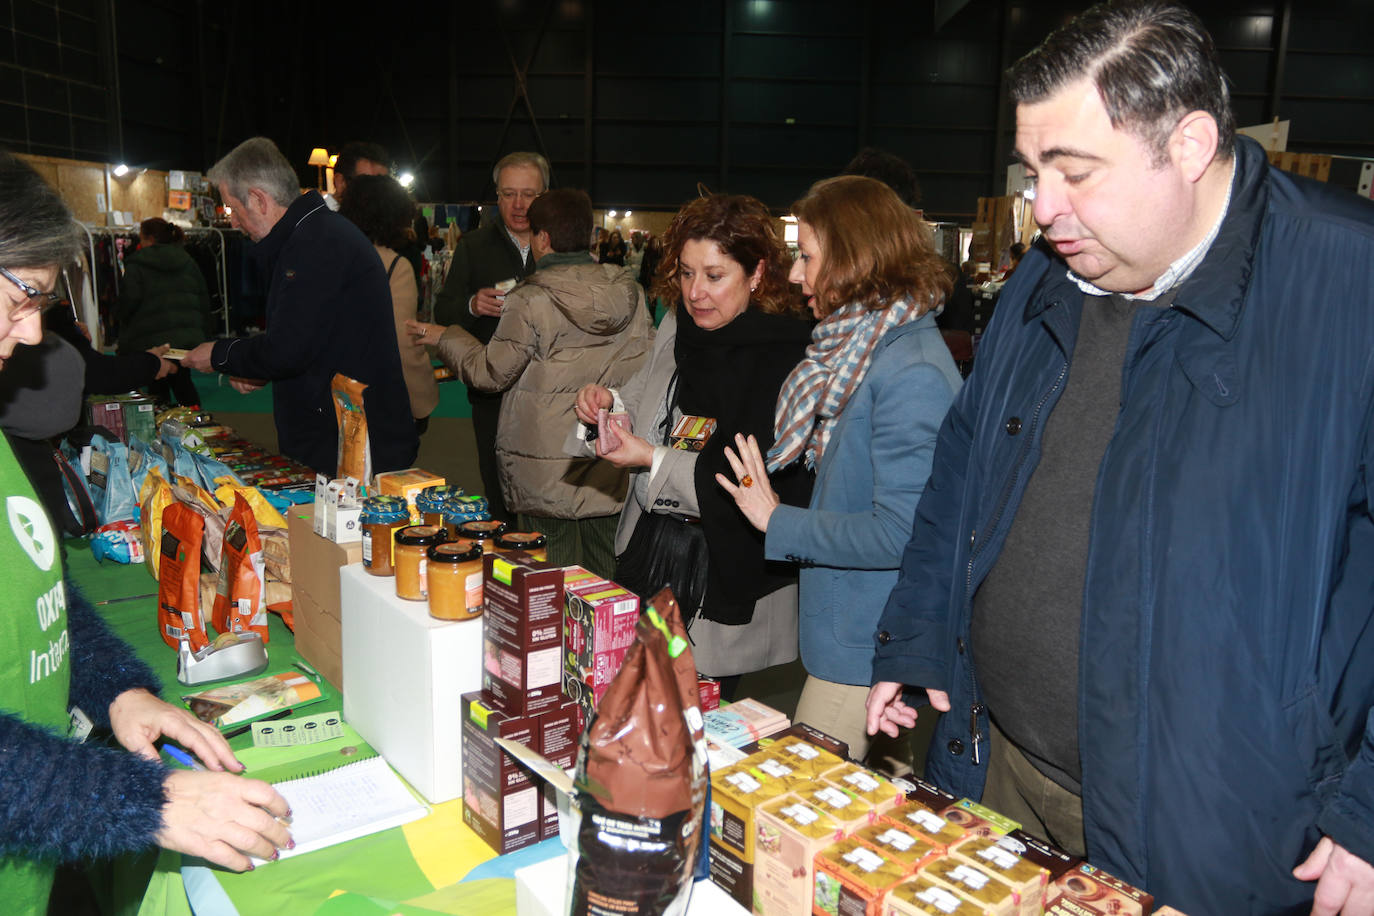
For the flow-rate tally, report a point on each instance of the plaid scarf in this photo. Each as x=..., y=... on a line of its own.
x=817, y=390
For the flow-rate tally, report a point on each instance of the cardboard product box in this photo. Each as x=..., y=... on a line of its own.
x=978, y=884
x=109, y=413
x=978, y=820
x=1025, y=877
x=876, y=791
x=140, y=418
x=906, y=847
x=789, y=834
x=522, y=635
x=801, y=753
x=556, y=732
x=315, y=600
x=1041, y=852
x=1085, y=890
x=690, y=434
x=921, y=812
x=598, y=629
x=708, y=693
x=851, y=811
x=736, y=793
x=852, y=879
x=404, y=672
x=407, y=484
x=783, y=770
x=921, y=897
x=501, y=798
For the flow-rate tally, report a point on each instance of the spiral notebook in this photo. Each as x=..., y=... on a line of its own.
x=345, y=803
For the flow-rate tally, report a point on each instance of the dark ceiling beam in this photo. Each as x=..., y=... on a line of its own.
x=1279, y=36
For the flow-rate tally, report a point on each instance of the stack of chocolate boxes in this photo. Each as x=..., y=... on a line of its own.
x=552, y=639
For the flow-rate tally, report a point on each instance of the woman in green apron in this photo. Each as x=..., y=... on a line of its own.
x=61, y=799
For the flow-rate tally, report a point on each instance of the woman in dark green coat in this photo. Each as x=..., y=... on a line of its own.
x=163, y=299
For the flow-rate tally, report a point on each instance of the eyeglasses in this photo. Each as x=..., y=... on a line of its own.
x=511, y=194
x=37, y=299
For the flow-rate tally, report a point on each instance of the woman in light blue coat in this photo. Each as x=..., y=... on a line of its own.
x=863, y=409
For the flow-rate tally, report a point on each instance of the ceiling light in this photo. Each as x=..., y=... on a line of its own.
x=120, y=170
x=406, y=179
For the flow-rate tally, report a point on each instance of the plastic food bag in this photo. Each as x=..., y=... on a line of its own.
x=264, y=512
x=112, y=486
x=238, y=603
x=178, y=583
x=153, y=498
x=642, y=780
x=118, y=541
x=355, y=453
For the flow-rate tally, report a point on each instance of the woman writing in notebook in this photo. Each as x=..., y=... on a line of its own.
x=65, y=800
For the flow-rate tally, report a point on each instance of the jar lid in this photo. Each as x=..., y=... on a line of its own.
x=375, y=515
x=433, y=498
x=489, y=528
x=420, y=535
x=521, y=540
x=455, y=552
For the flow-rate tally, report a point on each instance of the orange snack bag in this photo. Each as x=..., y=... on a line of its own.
x=239, y=604
x=178, y=581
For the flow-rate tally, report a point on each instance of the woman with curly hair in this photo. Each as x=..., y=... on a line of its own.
x=734, y=333
x=863, y=410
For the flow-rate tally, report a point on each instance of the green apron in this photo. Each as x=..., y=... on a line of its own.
x=35, y=673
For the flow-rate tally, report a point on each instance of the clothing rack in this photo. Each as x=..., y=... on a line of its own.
x=86, y=300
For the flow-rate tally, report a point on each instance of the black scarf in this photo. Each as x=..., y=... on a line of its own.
x=733, y=374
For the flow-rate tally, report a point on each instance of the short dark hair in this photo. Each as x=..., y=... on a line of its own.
x=889, y=168
x=161, y=231
x=381, y=208
x=347, y=163
x=1151, y=61
x=746, y=232
x=566, y=215
x=36, y=228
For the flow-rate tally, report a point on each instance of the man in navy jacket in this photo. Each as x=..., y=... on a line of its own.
x=328, y=311
x=1141, y=577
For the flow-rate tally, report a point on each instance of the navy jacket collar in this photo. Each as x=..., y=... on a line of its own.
x=266, y=251
x=1215, y=292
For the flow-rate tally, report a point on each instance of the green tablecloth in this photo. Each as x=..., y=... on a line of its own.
x=425, y=867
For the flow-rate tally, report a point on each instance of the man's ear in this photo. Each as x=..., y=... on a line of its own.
x=545, y=240
x=1193, y=144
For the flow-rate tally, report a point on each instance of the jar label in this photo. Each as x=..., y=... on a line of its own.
x=424, y=577
x=473, y=587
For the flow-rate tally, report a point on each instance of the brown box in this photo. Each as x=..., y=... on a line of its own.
x=789, y=833
x=1041, y=852
x=557, y=732
x=522, y=635
x=501, y=798
x=852, y=880
x=315, y=602
x=691, y=434
x=109, y=413
x=1086, y=890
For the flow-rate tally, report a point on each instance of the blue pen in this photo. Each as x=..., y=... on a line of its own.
x=182, y=757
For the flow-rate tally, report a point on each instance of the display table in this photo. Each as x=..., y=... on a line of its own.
x=433, y=865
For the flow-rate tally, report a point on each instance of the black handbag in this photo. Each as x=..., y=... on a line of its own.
x=666, y=550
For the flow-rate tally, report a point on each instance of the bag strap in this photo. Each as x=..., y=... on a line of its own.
x=392, y=267
x=83, y=513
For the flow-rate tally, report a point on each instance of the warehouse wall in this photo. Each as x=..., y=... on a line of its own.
x=636, y=101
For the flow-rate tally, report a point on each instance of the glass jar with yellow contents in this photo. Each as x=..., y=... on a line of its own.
x=412, y=545
x=530, y=542
x=455, y=580
x=485, y=533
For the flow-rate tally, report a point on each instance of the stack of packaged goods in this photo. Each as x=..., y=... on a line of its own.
x=796, y=831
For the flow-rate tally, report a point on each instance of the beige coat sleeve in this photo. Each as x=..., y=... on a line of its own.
x=498, y=365
x=415, y=362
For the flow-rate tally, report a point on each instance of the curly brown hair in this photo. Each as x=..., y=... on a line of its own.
x=746, y=232
x=874, y=248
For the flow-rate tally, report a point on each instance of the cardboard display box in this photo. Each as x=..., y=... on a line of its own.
x=404, y=674
x=315, y=601
x=522, y=635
